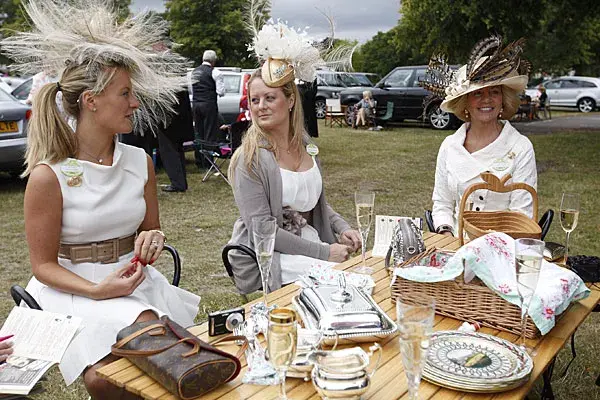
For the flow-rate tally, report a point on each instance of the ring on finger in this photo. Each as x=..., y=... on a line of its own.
x=154, y=243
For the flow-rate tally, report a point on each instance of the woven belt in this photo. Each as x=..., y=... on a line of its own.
x=106, y=252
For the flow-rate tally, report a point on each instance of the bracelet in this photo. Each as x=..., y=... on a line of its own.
x=443, y=228
x=161, y=233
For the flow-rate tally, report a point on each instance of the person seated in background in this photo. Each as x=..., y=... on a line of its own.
x=365, y=109
x=276, y=173
x=485, y=142
x=90, y=207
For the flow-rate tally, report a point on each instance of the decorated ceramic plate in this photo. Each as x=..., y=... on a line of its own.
x=475, y=362
x=431, y=268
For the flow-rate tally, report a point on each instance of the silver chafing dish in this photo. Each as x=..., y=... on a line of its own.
x=342, y=313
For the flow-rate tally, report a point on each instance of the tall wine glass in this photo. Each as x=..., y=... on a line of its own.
x=529, y=254
x=264, y=230
x=415, y=324
x=281, y=342
x=364, y=202
x=569, y=215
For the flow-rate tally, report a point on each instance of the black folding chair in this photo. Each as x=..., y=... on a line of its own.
x=19, y=294
x=229, y=268
x=216, y=153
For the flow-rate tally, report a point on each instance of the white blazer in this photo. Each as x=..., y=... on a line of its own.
x=457, y=169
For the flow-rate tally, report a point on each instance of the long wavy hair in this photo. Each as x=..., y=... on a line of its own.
x=50, y=138
x=256, y=137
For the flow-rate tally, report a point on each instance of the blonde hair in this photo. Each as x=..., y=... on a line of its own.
x=367, y=94
x=256, y=136
x=49, y=137
x=510, y=104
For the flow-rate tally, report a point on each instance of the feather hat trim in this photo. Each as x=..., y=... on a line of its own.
x=86, y=32
x=489, y=65
x=287, y=53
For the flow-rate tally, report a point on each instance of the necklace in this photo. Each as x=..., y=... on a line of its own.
x=97, y=159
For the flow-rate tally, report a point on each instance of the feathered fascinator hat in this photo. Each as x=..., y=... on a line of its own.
x=287, y=53
x=489, y=65
x=68, y=33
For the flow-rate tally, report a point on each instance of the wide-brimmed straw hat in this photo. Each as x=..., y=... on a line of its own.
x=489, y=65
x=462, y=86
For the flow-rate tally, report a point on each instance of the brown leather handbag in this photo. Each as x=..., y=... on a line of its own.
x=185, y=365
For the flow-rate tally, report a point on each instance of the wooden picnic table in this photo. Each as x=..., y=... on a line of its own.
x=389, y=382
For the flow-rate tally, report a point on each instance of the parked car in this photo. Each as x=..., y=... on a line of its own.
x=329, y=85
x=21, y=92
x=366, y=79
x=571, y=91
x=14, y=118
x=234, y=104
x=401, y=86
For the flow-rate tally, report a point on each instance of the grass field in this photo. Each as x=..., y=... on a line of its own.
x=399, y=165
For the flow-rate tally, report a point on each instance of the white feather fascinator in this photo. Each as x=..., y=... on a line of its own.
x=86, y=32
x=288, y=53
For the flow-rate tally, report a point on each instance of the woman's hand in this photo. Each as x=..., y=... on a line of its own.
x=120, y=283
x=149, y=245
x=351, y=238
x=6, y=350
x=338, y=253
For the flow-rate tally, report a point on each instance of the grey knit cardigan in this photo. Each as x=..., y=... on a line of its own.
x=260, y=194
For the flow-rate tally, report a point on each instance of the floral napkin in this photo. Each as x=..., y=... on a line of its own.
x=492, y=259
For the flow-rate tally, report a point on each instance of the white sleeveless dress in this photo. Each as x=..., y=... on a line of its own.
x=301, y=192
x=108, y=204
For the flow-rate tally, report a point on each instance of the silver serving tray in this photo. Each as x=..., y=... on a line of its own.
x=358, y=320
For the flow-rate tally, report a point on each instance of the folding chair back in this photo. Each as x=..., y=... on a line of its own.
x=217, y=153
x=335, y=112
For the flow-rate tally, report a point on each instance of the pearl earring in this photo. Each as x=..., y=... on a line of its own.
x=500, y=114
x=467, y=116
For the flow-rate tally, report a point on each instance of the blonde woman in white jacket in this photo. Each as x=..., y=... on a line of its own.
x=486, y=141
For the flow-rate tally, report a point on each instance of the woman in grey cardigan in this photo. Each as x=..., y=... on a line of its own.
x=276, y=172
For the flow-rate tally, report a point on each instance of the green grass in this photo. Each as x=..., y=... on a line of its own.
x=398, y=164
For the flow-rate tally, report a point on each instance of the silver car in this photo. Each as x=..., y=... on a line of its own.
x=14, y=118
x=572, y=91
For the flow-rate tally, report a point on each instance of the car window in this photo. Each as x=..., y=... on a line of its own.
x=232, y=83
x=399, y=78
x=552, y=85
x=22, y=91
x=420, y=76
x=329, y=80
x=349, y=80
x=587, y=84
x=568, y=84
x=363, y=80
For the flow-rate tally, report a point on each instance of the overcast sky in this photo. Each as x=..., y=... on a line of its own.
x=354, y=19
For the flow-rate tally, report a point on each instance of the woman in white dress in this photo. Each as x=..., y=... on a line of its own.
x=484, y=94
x=276, y=172
x=91, y=211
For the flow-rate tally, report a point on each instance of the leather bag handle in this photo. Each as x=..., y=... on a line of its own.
x=492, y=183
x=234, y=339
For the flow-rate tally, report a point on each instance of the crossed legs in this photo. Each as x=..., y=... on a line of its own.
x=99, y=388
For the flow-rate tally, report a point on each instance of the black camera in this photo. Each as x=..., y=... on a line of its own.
x=221, y=322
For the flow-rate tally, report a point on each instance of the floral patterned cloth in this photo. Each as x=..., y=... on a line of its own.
x=492, y=257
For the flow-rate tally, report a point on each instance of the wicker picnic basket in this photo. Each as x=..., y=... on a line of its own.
x=472, y=302
x=514, y=223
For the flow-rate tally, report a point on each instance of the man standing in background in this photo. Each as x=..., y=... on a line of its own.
x=207, y=83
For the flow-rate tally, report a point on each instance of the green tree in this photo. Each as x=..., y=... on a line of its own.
x=199, y=25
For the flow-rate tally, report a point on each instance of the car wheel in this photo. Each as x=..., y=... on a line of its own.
x=320, y=108
x=350, y=114
x=438, y=118
x=586, y=105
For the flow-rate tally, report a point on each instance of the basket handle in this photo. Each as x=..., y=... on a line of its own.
x=492, y=183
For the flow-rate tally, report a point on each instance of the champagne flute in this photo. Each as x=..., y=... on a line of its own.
x=569, y=215
x=281, y=342
x=364, y=202
x=264, y=229
x=529, y=254
x=415, y=324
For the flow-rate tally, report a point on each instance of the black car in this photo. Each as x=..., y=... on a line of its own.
x=401, y=86
x=329, y=85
